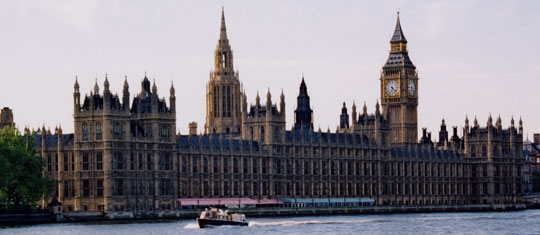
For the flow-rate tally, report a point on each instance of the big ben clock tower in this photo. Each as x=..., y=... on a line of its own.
x=399, y=91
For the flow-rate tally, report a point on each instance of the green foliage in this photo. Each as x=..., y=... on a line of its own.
x=21, y=170
x=536, y=180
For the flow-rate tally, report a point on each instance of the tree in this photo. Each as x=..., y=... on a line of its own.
x=536, y=180
x=21, y=170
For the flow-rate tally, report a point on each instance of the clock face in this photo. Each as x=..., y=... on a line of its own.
x=392, y=87
x=412, y=88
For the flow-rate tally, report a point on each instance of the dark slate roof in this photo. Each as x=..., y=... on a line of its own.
x=418, y=151
x=146, y=104
x=183, y=142
x=245, y=145
x=195, y=142
x=398, y=35
x=97, y=102
x=261, y=111
x=205, y=140
x=369, y=119
x=226, y=144
x=52, y=140
x=400, y=59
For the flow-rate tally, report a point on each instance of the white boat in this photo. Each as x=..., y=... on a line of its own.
x=217, y=217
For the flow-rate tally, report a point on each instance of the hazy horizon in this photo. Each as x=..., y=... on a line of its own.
x=473, y=57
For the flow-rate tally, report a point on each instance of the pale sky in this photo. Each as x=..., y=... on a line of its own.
x=473, y=57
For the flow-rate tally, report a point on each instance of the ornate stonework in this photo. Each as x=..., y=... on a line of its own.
x=223, y=92
x=399, y=91
x=126, y=158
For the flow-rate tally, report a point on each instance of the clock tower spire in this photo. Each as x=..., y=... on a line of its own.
x=399, y=91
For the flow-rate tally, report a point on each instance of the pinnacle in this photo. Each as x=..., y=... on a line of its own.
x=96, y=87
x=223, y=30
x=126, y=85
x=172, y=87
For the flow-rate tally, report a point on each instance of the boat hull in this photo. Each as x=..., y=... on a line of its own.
x=210, y=222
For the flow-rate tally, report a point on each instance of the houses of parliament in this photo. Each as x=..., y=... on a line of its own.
x=125, y=155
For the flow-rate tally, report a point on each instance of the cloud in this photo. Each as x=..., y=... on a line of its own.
x=80, y=15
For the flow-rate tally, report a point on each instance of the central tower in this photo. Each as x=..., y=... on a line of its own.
x=223, y=95
x=399, y=91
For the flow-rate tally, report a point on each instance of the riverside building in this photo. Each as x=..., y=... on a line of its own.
x=125, y=157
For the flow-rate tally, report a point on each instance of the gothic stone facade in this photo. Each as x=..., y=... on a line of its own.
x=127, y=158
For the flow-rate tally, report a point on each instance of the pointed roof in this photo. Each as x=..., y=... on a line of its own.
x=223, y=31
x=96, y=87
x=398, y=32
x=126, y=85
x=172, y=88
x=76, y=86
x=303, y=87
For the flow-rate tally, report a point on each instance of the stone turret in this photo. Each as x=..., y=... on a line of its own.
x=520, y=128
x=223, y=95
x=354, y=115
x=303, y=113
x=125, y=95
x=344, y=118
x=282, y=103
x=76, y=97
x=96, y=87
x=264, y=123
x=172, y=99
x=443, y=134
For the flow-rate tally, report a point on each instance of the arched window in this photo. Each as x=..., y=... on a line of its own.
x=98, y=131
x=297, y=167
x=117, y=129
x=84, y=132
x=165, y=131
x=205, y=165
x=216, y=102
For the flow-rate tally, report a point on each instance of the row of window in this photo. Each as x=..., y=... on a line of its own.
x=89, y=188
x=138, y=162
x=94, y=161
x=325, y=167
x=249, y=188
x=482, y=151
x=135, y=187
x=226, y=101
x=118, y=132
x=94, y=188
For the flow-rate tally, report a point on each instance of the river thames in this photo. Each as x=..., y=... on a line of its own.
x=518, y=222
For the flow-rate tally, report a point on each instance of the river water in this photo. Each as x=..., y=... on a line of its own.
x=519, y=222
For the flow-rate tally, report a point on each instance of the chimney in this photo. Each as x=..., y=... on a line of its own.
x=192, y=128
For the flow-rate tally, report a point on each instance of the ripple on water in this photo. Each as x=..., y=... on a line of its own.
x=520, y=222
